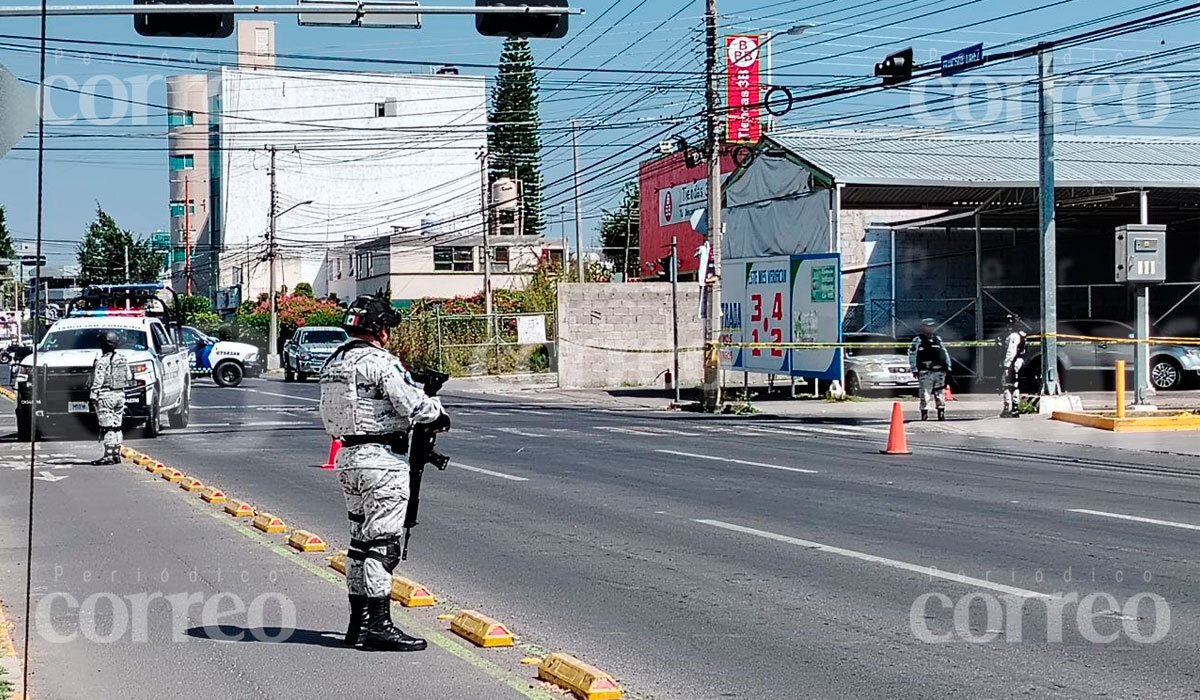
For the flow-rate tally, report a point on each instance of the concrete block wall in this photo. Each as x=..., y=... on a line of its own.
x=614, y=335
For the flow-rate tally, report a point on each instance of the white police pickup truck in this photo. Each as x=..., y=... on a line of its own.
x=228, y=362
x=161, y=379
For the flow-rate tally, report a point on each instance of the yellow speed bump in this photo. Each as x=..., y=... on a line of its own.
x=411, y=594
x=213, y=495
x=239, y=509
x=584, y=680
x=153, y=467
x=172, y=475
x=139, y=458
x=127, y=453
x=269, y=523
x=338, y=563
x=305, y=541
x=191, y=483
x=481, y=630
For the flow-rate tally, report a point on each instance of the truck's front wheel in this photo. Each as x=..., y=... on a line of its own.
x=153, y=427
x=228, y=373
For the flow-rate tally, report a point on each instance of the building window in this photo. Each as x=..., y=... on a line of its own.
x=186, y=162
x=454, y=258
x=338, y=265
x=380, y=109
x=177, y=207
x=500, y=259
x=237, y=275
x=178, y=119
x=554, y=256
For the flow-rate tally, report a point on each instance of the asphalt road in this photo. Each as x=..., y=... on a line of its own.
x=704, y=557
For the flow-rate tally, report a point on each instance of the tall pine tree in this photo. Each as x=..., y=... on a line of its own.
x=513, y=137
x=6, y=245
x=101, y=254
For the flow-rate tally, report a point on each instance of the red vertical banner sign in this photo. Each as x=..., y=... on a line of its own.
x=743, y=88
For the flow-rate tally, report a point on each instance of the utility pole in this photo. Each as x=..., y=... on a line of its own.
x=1141, y=354
x=628, y=233
x=1047, y=247
x=578, y=203
x=712, y=323
x=487, y=241
x=126, y=279
x=675, y=311
x=272, y=253
x=187, y=233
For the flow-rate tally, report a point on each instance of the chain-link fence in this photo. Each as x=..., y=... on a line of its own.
x=466, y=345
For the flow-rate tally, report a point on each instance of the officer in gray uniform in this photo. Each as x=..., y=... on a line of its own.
x=110, y=376
x=1014, y=360
x=929, y=359
x=370, y=402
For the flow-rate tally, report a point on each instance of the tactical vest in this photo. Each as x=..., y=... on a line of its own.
x=930, y=354
x=118, y=374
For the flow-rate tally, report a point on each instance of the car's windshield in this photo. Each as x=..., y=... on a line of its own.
x=191, y=335
x=324, y=337
x=88, y=339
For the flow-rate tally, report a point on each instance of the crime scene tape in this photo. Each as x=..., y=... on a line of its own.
x=1062, y=338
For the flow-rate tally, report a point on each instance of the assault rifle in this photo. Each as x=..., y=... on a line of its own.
x=422, y=451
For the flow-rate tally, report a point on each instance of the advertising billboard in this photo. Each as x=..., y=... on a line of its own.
x=743, y=88
x=783, y=299
x=670, y=191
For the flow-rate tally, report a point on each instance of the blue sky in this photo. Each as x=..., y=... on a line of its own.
x=622, y=113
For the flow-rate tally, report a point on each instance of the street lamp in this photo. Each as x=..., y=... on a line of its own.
x=273, y=335
x=794, y=30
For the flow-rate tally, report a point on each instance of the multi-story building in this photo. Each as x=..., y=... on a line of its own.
x=350, y=156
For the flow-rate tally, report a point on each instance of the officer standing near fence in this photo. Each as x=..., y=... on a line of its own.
x=110, y=377
x=369, y=401
x=929, y=359
x=1014, y=360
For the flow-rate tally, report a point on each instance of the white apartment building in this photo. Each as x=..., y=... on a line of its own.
x=353, y=156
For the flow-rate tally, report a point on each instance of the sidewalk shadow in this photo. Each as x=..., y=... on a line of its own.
x=267, y=635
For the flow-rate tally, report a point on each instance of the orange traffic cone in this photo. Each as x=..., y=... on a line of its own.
x=897, y=443
x=949, y=394
x=334, y=448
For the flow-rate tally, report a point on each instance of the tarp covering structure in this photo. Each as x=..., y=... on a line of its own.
x=774, y=207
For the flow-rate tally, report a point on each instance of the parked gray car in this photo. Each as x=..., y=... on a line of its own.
x=1171, y=366
x=881, y=368
x=305, y=353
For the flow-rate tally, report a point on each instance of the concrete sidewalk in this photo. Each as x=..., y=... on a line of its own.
x=142, y=590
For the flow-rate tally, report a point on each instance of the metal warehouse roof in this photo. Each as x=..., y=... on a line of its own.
x=910, y=158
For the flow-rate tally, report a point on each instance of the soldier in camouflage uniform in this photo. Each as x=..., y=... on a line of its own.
x=110, y=376
x=369, y=401
x=929, y=359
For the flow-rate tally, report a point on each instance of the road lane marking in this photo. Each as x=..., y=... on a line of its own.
x=871, y=558
x=271, y=393
x=256, y=424
x=646, y=430
x=1134, y=518
x=521, y=433
x=714, y=458
x=489, y=472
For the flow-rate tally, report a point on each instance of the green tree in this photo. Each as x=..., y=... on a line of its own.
x=7, y=250
x=619, y=233
x=304, y=289
x=101, y=254
x=513, y=140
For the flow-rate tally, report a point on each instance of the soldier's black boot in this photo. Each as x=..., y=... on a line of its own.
x=358, y=619
x=924, y=414
x=381, y=634
x=941, y=414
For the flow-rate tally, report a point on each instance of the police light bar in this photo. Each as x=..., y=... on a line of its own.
x=98, y=313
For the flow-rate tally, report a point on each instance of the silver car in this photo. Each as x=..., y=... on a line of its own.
x=883, y=368
x=1171, y=366
x=305, y=353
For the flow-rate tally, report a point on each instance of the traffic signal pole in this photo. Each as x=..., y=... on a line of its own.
x=1046, y=240
x=711, y=400
x=379, y=8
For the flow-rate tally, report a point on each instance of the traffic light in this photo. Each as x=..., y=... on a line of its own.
x=211, y=26
x=896, y=68
x=540, y=26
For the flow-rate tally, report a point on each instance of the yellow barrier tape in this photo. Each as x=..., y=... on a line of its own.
x=1062, y=338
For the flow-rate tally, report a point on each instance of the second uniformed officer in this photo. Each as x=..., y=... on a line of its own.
x=1014, y=360
x=930, y=361
x=110, y=377
x=369, y=401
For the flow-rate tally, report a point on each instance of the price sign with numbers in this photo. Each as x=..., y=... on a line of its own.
x=783, y=299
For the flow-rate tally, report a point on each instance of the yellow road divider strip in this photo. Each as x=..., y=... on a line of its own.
x=239, y=509
x=411, y=594
x=269, y=523
x=305, y=541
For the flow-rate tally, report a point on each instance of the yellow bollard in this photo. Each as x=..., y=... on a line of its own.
x=1120, y=388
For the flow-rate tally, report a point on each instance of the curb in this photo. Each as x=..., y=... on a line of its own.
x=10, y=662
